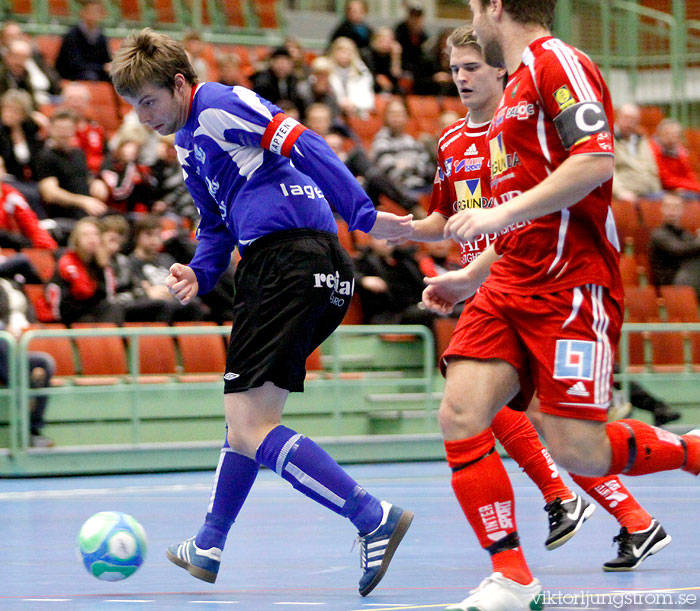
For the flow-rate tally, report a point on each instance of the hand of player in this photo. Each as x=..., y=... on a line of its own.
x=182, y=283
x=444, y=292
x=472, y=222
x=388, y=226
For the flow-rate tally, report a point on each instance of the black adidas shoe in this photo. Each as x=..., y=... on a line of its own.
x=635, y=547
x=565, y=518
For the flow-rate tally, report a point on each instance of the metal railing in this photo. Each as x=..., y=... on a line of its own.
x=333, y=380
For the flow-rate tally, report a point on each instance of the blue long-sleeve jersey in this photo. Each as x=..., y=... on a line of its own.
x=252, y=170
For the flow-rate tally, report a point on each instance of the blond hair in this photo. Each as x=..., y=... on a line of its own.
x=463, y=36
x=149, y=58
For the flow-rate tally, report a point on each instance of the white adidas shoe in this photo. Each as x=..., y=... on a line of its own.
x=497, y=593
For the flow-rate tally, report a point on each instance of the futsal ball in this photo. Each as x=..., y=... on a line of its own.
x=112, y=545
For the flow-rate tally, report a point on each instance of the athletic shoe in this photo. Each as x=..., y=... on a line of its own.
x=497, y=593
x=635, y=547
x=201, y=563
x=565, y=518
x=377, y=548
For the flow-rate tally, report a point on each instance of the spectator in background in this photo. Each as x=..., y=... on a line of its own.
x=317, y=88
x=15, y=313
x=138, y=306
x=195, y=48
x=230, y=74
x=13, y=71
x=84, y=53
x=130, y=185
x=674, y=252
x=411, y=35
x=85, y=279
x=405, y=160
x=19, y=225
x=355, y=26
x=278, y=81
x=673, y=161
x=383, y=58
x=390, y=284
x=20, y=145
x=434, y=76
x=90, y=135
x=636, y=173
x=296, y=52
x=63, y=175
x=150, y=266
x=351, y=80
x=45, y=80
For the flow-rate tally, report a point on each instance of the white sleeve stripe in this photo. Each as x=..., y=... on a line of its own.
x=574, y=71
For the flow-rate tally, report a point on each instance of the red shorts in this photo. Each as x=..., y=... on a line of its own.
x=561, y=344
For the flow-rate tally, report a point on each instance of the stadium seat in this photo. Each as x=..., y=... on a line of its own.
x=443, y=327
x=203, y=356
x=157, y=358
x=642, y=306
x=650, y=211
x=43, y=260
x=681, y=303
x=682, y=306
x=365, y=128
x=37, y=297
x=355, y=314
x=454, y=104
x=626, y=220
x=629, y=269
x=345, y=237
x=104, y=105
x=60, y=348
x=102, y=358
x=423, y=106
x=691, y=216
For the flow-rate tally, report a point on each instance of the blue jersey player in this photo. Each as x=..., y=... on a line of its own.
x=262, y=182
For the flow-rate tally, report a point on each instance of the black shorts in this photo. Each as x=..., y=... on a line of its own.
x=292, y=290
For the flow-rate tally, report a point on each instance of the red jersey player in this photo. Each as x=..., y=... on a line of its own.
x=550, y=307
x=462, y=181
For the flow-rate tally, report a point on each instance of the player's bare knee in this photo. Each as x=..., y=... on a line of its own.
x=241, y=442
x=584, y=453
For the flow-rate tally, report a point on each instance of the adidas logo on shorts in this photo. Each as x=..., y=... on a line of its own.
x=578, y=389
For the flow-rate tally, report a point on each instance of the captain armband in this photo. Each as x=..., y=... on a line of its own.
x=580, y=122
x=281, y=134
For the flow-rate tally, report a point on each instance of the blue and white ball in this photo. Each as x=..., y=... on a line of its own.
x=112, y=545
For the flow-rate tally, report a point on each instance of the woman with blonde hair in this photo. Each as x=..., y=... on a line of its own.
x=85, y=278
x=351, y=80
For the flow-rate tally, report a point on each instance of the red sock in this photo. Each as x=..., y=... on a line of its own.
x=693, y=463
x=519, y=438
x=612, y=495
x=639, y=448
x=485, y=494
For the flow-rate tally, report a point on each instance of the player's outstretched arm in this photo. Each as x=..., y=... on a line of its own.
x=429, y=229
x=182, y=282
x=388, y=226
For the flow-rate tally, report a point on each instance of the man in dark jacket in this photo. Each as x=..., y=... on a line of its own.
x=84, y=51
x=674, y=252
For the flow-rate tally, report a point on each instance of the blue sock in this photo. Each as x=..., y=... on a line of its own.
x=234, y=478
x=314, y=473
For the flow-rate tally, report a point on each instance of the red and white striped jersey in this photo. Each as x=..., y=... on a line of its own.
x=462, y=178
x=555, y=105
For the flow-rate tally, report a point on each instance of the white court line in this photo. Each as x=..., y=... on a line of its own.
x=128, y=600
x=47, y=600
x=215, y=602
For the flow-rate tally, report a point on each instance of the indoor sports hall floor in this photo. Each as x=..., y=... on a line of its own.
x=287, y=553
